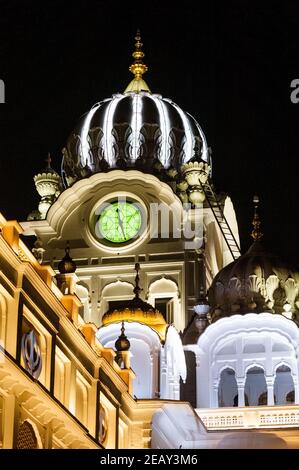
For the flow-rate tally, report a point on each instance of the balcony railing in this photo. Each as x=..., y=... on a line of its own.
x=250, y=417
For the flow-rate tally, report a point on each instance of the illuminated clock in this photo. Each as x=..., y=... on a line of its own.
x=119, y=222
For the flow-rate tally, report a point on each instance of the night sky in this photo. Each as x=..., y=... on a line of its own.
x=230, y=64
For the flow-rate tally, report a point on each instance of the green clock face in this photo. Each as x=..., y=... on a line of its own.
x=119, y=222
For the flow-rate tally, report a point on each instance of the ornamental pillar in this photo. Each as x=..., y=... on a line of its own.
x=215, y=399
x=241, y=391
x=270, y=391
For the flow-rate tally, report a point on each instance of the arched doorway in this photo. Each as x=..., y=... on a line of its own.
x=228, y=388
x=255, y=386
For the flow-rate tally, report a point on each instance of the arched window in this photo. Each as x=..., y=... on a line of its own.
x=145, y=346
x=113, y=295
x=28, y=436
x=163, y=294
x=227, y=389
x=283, y=385
x=255, y=386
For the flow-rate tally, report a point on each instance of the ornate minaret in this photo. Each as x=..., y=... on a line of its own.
x=48, y=185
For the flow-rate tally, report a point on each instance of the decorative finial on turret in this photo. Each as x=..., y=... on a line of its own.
x=256, y=223
x=122, y=343
x=67, y=265
x=137, y=288
x=48, y=185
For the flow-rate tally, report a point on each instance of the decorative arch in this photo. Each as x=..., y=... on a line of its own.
x=145, y=351
x=284, y=384
x=270, y=339
x=228, y=388
x=114, y=292
x=165, y=287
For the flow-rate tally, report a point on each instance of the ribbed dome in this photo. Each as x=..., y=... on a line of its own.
x=256, y=282
x=136, y=310
x=132, y=130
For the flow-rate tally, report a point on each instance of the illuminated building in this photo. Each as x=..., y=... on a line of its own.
x=109, y=338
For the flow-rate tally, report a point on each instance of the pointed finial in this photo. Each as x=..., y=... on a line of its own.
x=138, y=68
x=122, y=343
x=67, y=265
x=256, y=223
x=137, y=288
x=49, y=160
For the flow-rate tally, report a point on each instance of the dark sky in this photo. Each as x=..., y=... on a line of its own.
x=230, y=64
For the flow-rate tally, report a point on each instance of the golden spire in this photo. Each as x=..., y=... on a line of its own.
x=138, y=68
x=256, y=223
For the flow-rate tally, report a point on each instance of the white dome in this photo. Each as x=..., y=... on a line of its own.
x=133, y=130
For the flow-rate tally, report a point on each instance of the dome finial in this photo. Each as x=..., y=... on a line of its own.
x=138, y=68
x=137, y=288
x=122, y=343
x=256, y=223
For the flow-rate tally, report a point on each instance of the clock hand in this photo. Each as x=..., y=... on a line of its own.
x=120, y=222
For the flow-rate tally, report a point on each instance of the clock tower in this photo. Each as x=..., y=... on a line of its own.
x=135, y=188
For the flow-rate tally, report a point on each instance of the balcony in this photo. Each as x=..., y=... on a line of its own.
x=252, y=417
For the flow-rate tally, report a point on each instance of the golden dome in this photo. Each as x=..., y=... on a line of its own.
x=136, y=310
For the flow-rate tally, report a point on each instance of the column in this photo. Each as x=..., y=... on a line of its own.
x=163, y=375
x=270, y=390
x=152, y=379
x=241, y=391
x=215, y=401
x=198, y=396
x=176, y=387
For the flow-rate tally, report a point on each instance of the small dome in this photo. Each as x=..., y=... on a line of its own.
x=256, y=282
x=136, y=310
x=136, y=130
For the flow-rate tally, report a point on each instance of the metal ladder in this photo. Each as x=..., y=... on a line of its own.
x=221, y=220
